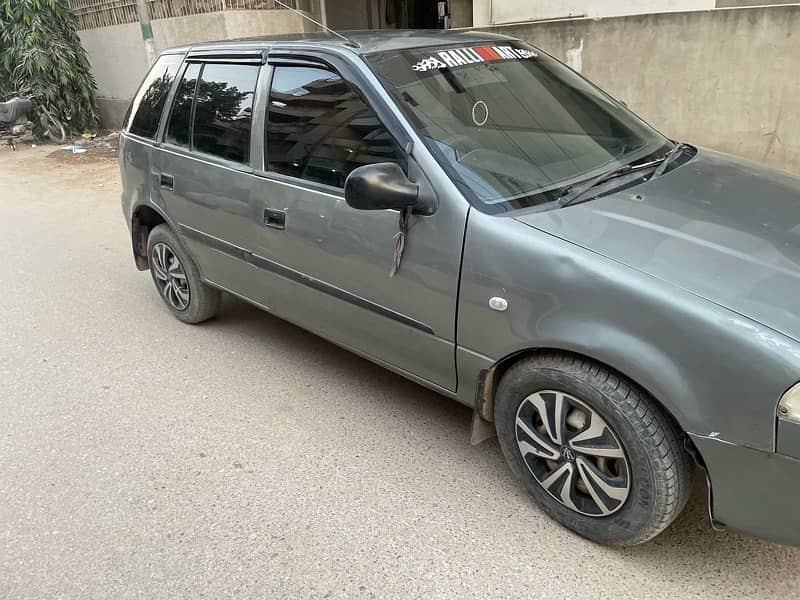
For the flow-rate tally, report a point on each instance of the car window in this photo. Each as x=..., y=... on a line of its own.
x=512, y=126
x=150, y=99
x=223, y=111
x=319, y=128
x=178, y=129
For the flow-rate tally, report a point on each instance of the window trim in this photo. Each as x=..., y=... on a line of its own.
x=162, y=124
x=354, y=77
x=280, y=58
x=193, y=111
x=129, y=114
x=256, y=56
x=190, y=152
x=209, y=159
x=297, y=182
x=162, y=138
x=126, y=119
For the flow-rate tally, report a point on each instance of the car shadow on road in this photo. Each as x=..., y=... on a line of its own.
x=691, y=537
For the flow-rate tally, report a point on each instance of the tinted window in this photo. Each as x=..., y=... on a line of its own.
x=223, y=111
x=319, y=128
x=180, y=119
x=150, y=99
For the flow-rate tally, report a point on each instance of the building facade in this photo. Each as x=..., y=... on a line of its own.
x=710, y=72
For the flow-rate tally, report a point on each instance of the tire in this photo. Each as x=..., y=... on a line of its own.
x=629, y=476
x=53, y=128
x=177, y=278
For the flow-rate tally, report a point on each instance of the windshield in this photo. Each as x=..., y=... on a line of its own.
x=512, y=125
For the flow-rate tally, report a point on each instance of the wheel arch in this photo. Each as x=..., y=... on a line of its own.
x=490, y=378
x=143, y=219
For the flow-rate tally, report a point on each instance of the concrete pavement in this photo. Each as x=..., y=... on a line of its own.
x=144, y=458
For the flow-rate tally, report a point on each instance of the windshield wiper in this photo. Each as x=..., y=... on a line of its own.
x=668, y=158
x=575, y=193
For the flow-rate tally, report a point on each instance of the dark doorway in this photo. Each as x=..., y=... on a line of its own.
x=424, y=14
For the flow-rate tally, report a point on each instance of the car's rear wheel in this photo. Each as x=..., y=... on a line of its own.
x=177, y=278
x=592, y=448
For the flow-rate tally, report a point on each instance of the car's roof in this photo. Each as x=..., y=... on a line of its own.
x=363, y=41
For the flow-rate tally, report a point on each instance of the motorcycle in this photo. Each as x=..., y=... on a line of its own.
x=15, y=123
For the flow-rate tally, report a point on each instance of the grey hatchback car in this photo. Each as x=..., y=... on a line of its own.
x=467, y=211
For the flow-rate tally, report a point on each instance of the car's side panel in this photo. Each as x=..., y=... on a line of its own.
x=136, y=152
x=207, y=196
x=134, y=163
x=753, y=492
x=329, y=264
x=269, y=280
x=565, y=297
x=320, y=278
x=335, y=260
x=473, y=368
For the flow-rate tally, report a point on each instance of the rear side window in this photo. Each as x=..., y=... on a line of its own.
x=319, y=128
x=151, y=97
x=180, y=120
x=223, y=111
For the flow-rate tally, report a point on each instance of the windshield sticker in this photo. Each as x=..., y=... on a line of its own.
x=467, y=56
x=480, y=113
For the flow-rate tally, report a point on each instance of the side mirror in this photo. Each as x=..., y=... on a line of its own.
x=380, y=186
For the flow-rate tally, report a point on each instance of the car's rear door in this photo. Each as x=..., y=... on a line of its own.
x=329, y=263
x=140, y=130
x=201, y=170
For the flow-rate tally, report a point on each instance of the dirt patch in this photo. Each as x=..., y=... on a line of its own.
x=88, y=150
x=40, y=165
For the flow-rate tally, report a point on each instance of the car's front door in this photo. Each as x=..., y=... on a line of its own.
x=331, y=263
x=201, y=170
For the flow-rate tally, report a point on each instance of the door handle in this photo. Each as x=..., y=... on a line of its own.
x=167, y=181
x=274, y=218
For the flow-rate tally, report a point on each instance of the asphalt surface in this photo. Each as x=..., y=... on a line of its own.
x=144, y=458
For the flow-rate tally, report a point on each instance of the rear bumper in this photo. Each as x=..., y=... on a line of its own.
x=752, y=491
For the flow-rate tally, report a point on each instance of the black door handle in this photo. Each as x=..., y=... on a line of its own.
x=274, y=218
x=167, y=181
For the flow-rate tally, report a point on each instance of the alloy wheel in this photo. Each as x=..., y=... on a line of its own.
x=572, y=453
x=170, y=277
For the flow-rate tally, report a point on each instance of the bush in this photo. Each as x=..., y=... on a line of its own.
x=40, y=51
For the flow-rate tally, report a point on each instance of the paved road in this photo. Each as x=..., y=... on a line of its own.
x=140, y=457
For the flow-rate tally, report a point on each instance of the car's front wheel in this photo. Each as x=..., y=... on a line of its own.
x=593, y=449
x=177, y=278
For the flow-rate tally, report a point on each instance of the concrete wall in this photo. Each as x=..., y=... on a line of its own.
x=118, y=57
x=498, y=12
x=460, y=13
x=348, y=14
x=371, y=14
x=737, y=3
x=726, y=78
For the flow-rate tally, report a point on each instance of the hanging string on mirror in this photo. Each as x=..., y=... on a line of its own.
x=400, y=240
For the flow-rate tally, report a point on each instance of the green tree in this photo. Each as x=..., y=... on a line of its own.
x=40, y=50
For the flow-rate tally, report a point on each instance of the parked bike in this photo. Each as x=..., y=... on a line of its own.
x=16, y=124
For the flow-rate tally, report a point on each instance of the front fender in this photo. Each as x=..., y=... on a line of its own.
x=718, y=373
